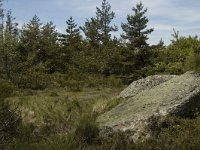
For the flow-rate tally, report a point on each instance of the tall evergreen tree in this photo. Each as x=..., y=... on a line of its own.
x=1, y=35
x=10, y=44
x=136, y=55
x=98, y=29
x=104, y=17
x=48, y=42
x=50, y=55
x=135, y=29
x=30, y=39
x=8, y=41
x=91, y=32
x=73, y=33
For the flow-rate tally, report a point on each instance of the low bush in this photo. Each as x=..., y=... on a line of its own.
x=74, y=85
x=33, y=80
x=59, y=80
x=6, y=89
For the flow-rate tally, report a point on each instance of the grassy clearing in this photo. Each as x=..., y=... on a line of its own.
x=56, y=116
x=64, y=120
x=59, y=106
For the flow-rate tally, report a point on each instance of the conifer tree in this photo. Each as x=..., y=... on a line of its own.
x=1, y=36
x=72, y=35
x=98, y=29
x=91, y=32
x=48, y=42
x=104, y=17
x=30, y=39
x=8, y=41
x=50, y=54
x=73, y=32
x=135, y=29
x=136, y=55
x=10, y=44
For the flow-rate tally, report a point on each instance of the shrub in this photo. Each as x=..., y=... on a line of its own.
x=74, y=85
x=6, y=89
x=173, y=133
x=33, y=80
x=59, y=80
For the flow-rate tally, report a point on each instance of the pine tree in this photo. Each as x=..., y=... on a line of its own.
x=10, y=44
x=176, y=36
x=30, y=39
x=135, y=29
x=91, y=32
x=136, y=54
x=48, y=42
x=104, y=17
x=1, y=36
x=8, y=41
x=72, y=35
x=50, y=54
x=98, y=29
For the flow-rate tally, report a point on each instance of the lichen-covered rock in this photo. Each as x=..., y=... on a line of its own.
x=144, y=84
x=167, y=95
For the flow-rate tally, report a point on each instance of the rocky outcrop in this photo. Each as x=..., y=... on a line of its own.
x=155, y=95
x=144, y=84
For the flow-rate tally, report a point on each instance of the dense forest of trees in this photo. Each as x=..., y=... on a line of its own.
x=37, y=49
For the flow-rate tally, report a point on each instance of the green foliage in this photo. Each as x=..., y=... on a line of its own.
x=59, y=80
x=177, y=58
x=30, y=39
x=6, y=89
x=33, y=80
x=181, y=52
x=90, y=30
x=98, y=30
x=8, y=43
x=136, y=54
x=175, y=35
x=135, y=30
x=72, y=37
x=104, y=17
x=180, y=133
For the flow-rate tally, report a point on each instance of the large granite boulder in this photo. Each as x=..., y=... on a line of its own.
x=144, y=84
x=155, y=95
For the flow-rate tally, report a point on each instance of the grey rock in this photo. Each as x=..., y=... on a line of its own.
x=152, y=96
x=144, y=84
